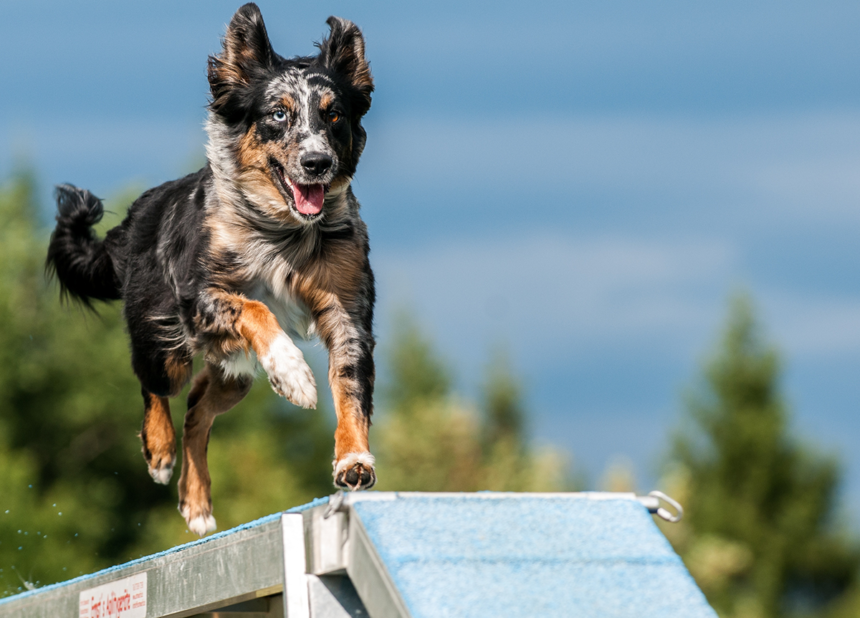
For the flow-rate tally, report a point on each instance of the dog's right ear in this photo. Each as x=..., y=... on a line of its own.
x=247, y=52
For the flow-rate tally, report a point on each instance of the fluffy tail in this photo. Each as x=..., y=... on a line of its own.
x=80, y=260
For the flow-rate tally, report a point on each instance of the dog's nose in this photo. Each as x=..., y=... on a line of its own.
x=316, y=163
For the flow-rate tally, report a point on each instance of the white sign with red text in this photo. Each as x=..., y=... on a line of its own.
x=125, y=598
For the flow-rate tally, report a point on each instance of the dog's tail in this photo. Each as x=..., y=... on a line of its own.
x=82, y=263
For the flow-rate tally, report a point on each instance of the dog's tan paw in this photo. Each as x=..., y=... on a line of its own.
x=289, y=374
x=160, y=456
x=355, y=471
x=199, y=521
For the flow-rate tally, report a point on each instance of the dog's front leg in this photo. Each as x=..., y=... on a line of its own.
x=232, y=324
x=349, y=338
x=240, y=324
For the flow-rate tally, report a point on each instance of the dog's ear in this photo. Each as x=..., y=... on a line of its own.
x=343, y=52
x=247, y=52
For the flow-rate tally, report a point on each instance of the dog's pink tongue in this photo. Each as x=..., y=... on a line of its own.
x=309, y=198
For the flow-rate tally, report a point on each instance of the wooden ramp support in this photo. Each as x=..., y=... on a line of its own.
x=398, y=555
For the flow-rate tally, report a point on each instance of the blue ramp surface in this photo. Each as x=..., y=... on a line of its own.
x=529, y=555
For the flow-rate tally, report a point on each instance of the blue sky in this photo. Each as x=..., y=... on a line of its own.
x=585, y=184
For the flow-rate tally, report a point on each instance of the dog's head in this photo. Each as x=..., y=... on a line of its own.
x=288, y=132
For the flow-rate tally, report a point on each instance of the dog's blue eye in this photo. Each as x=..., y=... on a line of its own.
x=279, y=116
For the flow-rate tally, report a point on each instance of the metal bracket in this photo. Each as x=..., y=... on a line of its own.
x=653, y=501
x=335, y=504
x=326, y=537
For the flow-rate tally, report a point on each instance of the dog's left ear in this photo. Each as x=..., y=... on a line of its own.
x=343, y=52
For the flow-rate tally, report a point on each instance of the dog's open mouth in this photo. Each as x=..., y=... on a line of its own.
x=308, y=199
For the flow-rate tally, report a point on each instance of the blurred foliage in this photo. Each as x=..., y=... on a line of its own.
x=760, y=534
x=429, y=440
x=72, y=477
x=75, y=495
x=619, y=476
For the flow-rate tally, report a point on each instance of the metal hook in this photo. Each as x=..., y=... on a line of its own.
x=665, y=514
x=652, y=502
x=335, y=502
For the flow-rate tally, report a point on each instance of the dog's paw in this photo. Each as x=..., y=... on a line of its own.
x=202, y=524
x=355, y=471
x=199, y=521
x=162, y=470
x=288, y=372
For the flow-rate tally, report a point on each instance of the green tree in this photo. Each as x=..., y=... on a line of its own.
x=416, y=374
x=760, y=535
x=427, y=439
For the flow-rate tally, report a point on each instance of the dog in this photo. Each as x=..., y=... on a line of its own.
x=266, y=239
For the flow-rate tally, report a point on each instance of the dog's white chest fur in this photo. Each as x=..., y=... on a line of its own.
x=293, y=316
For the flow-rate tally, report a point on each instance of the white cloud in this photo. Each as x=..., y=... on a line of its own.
x=826, y=185
x=813, y=327
x=104, y=155
x=550, y=294
x=804, y=165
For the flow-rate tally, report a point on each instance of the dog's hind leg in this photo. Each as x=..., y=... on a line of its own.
x=158, y=437
x=212, y=394
x=161, y=376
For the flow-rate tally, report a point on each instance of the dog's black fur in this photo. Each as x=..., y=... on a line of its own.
x=266, y=238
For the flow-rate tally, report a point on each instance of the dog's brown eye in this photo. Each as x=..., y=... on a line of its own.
x=333, y=116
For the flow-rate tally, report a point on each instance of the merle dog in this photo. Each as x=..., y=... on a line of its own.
x=264, y=240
